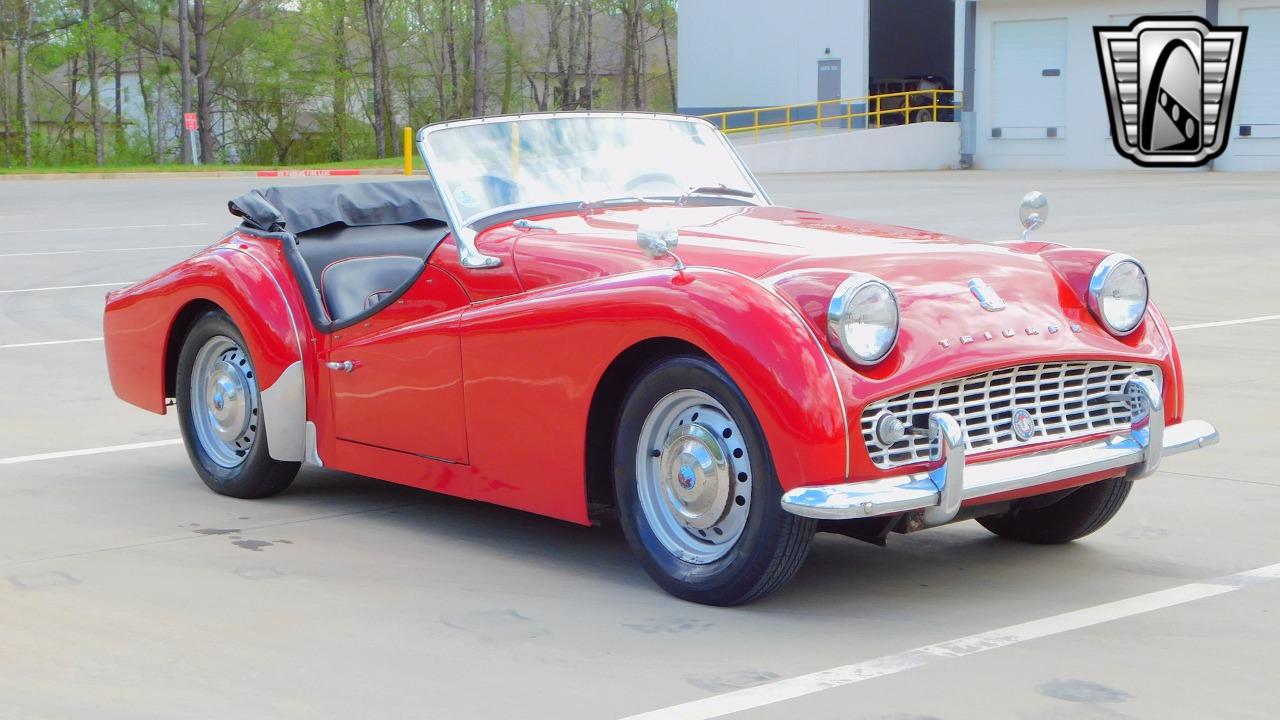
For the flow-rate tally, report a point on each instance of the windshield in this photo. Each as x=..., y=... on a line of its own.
x=504, y=163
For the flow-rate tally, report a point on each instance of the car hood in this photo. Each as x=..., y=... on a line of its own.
x=748, y=240
x=805, y=255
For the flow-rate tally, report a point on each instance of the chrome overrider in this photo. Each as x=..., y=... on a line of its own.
x=939, y=492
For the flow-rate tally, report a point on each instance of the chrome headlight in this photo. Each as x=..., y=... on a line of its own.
x=1118, y=293
x=862, y=319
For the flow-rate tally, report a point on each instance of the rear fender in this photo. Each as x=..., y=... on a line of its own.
x=533, y=362
x=144, y=326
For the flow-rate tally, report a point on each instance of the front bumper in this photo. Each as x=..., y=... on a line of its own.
x=940, y=492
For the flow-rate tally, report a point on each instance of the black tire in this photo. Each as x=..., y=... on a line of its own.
x=773, y=543
x=1083, y=511
x=258, y=475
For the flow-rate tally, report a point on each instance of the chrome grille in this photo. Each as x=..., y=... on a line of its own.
x=1064, y=398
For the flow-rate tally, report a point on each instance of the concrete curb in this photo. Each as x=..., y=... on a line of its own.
x=283, y=172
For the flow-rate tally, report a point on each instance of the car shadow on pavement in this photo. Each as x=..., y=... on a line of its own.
x=913, y=574
x=445, y=521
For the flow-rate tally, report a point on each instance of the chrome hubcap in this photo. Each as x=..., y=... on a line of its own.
x=694, y=476
x=224, y=401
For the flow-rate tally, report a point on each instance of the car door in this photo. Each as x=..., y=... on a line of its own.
x=396, y=377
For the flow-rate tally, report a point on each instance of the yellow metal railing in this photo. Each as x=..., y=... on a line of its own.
x=900, y=108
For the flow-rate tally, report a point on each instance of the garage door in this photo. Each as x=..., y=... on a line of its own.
x=1258, y=98
x=1029, y=83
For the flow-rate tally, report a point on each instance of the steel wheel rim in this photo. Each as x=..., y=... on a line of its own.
x=694, y=476
x=224, y=401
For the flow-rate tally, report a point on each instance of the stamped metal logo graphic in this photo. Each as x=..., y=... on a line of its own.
x=987, y=296
x=1171, y=86
x=1024, y=425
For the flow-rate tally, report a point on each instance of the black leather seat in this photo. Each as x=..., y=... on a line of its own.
x=354, y=246
x=353, y=285
x=322, y=246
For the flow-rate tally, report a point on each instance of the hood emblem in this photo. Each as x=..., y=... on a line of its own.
x=988, y=298
x=1024, y=425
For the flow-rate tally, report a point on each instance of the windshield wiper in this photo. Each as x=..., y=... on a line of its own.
x=715, y=190
x=619, y=200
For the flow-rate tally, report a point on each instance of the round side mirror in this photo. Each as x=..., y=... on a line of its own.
x=657, y=242
x=1034, y=210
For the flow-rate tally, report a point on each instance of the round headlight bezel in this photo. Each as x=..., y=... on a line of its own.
x=1102, y=274
x=841, y=301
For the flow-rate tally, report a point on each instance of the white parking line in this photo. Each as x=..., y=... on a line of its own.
x=1224, y=323
x=99, y=250
x=87, y=451
x=774, y=692
x=49, y=342
x=66, y=287
x=93, y=229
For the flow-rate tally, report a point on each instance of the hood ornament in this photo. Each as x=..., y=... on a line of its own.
x=988, y=298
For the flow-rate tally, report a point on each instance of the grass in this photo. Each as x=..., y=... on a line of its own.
x=393, y=162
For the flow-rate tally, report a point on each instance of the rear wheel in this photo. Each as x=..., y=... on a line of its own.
x=697, y=495
x=1083, y=511
x=220, y=413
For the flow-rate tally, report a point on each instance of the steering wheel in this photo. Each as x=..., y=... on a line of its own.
x=667, y=180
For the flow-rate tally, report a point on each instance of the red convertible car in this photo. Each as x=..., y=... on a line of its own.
x=590, y=314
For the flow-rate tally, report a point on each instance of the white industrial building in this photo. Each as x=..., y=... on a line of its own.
x=1033, y=94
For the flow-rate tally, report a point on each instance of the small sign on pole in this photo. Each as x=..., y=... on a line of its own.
x=192, y=123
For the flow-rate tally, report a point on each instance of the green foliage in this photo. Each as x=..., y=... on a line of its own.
x=289, y=81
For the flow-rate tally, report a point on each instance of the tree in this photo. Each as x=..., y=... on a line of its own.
x=588, y=67
x=184, y=69
x=4, y=87
x=478, y=59
x=327, y=88
x=24, y=80
x=91, y=51
x=378, y=66
x=664, y=9
x=203, y=75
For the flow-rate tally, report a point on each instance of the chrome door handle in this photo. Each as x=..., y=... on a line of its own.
x=344, y=366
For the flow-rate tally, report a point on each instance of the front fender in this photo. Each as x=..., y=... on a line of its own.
x=248, y=282
x=532, y=363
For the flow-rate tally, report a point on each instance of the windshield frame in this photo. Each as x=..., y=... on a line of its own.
x=465, y=234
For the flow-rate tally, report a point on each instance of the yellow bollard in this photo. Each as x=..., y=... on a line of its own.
x=408, y=151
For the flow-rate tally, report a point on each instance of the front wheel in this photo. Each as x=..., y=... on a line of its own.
x=220, y=413
x=1083, y=511
x=696, y=490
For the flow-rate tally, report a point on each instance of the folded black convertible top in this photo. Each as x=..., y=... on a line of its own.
x=297, y=209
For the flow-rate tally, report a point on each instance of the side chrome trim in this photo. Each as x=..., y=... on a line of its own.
x=939, y=492
x=312, y=456
x=284, y=410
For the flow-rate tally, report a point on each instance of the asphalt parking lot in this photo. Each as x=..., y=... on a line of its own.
x=128, y=590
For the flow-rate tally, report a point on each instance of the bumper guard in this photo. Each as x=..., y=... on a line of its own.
x=939, y=492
